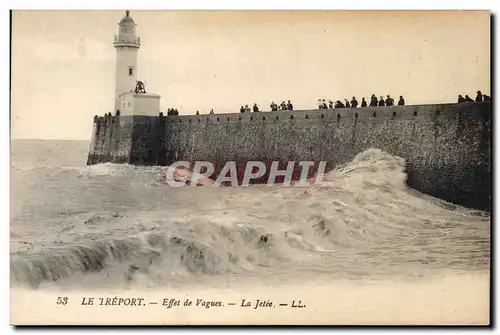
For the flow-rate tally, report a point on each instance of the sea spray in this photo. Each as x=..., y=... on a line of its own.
x=110, y=225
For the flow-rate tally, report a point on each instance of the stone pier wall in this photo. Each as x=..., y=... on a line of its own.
x=446, y=146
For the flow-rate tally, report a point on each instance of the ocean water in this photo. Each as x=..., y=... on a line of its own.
x=107, y=225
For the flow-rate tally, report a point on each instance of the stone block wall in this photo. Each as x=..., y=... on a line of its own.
x=446, y=146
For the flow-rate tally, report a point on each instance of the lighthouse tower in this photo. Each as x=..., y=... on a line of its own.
x=128, y=100
x=127, y=45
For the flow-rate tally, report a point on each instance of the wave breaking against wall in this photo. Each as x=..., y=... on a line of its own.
x=446, y=146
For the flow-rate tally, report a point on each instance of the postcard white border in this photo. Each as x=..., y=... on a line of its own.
x=185, y=4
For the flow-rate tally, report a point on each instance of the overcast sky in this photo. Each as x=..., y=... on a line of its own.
x=63, y=62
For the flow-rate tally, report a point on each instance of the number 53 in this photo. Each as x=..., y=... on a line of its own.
x=62, y=300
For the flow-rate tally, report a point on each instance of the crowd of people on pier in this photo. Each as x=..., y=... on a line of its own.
x=322, y=104
x=172, y=111
x=284, y=106
x=329, y=104
x=246, y=109
x=374, y=102
x=480, y=97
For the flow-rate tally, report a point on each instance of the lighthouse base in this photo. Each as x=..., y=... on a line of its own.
x=140, y=104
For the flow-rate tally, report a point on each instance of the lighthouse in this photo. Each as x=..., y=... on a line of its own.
x=130, y=99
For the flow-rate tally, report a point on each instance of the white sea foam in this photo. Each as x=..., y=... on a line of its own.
x=109, y=224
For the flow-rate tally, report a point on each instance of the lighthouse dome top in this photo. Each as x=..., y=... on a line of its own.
x=126, y=33
x=127, y=19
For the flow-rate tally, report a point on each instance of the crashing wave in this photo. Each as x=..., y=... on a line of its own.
x=363, y=218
